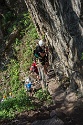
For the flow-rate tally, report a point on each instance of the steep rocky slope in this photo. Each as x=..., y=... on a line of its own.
x=61, y=23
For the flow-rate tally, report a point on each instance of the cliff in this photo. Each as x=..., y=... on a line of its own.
x=62, y=25
x=60, y=22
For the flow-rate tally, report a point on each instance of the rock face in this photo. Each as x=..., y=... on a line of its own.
x=53, y=121
x=16, y=7
x=62, y=25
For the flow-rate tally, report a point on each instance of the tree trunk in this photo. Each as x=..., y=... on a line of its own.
x=61, y=23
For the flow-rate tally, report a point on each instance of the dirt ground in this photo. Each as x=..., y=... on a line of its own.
x=67, y=106
x=27, y=118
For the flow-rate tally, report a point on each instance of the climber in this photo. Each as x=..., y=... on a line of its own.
x=42, y=52
x=34, y=69
x=28, y=87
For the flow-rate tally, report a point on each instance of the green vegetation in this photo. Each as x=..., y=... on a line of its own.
x=11, y=106
x=82, y=57
x=44, y=96
x=18, y=67
x=21, y=102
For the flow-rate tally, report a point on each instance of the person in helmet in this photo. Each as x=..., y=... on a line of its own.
x=43, y=53
x=34, y=68
x=34, y=71
x=28, y=86
x=43, y=61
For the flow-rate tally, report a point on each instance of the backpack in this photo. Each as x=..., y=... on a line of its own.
x=35, y=52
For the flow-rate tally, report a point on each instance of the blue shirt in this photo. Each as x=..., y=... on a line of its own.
x=28, y=86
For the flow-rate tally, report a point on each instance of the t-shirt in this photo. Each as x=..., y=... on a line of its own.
x=34, y=68
x=40, y=50
x=28, y=86
x=42, y=59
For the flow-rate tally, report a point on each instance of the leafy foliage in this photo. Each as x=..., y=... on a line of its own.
x=20, y=62
x=82, y=57
x=18, y=66
x=44, y=96
x=10, y=106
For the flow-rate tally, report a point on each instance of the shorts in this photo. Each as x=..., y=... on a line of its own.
x=29, y=90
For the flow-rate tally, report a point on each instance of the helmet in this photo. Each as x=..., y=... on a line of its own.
x=41, y=43
x=27, y=80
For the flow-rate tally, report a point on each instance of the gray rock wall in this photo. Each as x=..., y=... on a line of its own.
x=61, y=23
